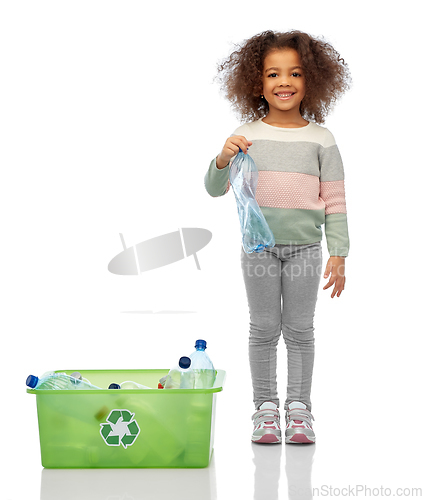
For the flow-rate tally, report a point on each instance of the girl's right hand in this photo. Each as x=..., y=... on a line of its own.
x=231, y=148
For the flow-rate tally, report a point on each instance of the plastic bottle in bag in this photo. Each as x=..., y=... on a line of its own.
x=243, y=176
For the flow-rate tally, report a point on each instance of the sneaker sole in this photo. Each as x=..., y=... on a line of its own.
x=300, y=438
x=267, y=439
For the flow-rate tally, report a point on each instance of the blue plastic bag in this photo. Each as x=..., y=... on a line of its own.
x=256, y=233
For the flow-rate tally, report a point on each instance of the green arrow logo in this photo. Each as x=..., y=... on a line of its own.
x=120, y=428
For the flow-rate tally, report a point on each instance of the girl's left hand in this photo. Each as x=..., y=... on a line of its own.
x=336, y=266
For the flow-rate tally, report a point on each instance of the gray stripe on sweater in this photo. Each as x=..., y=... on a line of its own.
x=331, y=162
x=300, y=157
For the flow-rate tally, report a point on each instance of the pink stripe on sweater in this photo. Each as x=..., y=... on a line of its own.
x=288, y=190
x=333, y=194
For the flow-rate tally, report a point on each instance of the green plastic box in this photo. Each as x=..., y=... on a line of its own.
x=130, y=428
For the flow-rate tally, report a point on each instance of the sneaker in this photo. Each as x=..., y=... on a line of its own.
x=267, y=427
x=298, y=424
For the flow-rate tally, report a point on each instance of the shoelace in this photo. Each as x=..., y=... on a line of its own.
x=265, y=416
x=299, y=414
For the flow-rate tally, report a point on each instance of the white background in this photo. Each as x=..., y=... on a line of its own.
x=109, y=120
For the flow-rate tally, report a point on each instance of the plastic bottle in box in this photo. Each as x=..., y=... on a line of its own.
x=58, y=381
x=181, y=377
x=202, y=366
x=128, y=384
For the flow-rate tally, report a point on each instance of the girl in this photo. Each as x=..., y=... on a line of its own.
x=283, y=86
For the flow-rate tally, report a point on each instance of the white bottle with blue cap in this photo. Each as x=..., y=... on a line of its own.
x=182, y=376
x=202, y=366
x=59, y=381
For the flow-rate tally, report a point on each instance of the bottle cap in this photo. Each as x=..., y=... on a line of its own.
x=185, y=362
x=32, y=381
x=201, y=344
x=114, y=386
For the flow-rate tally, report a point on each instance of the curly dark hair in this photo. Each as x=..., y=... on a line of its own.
x=327, y=75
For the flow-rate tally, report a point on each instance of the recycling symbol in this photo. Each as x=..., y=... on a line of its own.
x=120, y=428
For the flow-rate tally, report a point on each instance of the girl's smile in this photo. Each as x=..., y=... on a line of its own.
x=283, y=96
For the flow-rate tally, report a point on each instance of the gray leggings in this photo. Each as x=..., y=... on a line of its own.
x=293, y=273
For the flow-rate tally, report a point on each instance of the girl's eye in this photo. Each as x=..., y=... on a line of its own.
x=274, y=75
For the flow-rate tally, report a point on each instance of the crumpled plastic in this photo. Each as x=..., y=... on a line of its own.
x=256, y=233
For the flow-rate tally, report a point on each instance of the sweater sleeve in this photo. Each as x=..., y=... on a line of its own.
x=332, y=192
x=216, y=181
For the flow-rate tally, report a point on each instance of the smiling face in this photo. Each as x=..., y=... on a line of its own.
x=283, y=84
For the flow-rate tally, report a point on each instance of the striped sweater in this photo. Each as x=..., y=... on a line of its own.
x=300, y=184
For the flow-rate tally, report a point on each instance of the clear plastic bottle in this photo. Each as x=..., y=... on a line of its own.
x=162, y=382
x=130, y=384
x=78, y=376
x=202, y=366
x=58, y=381
x=181, y=377
x=256, y=233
